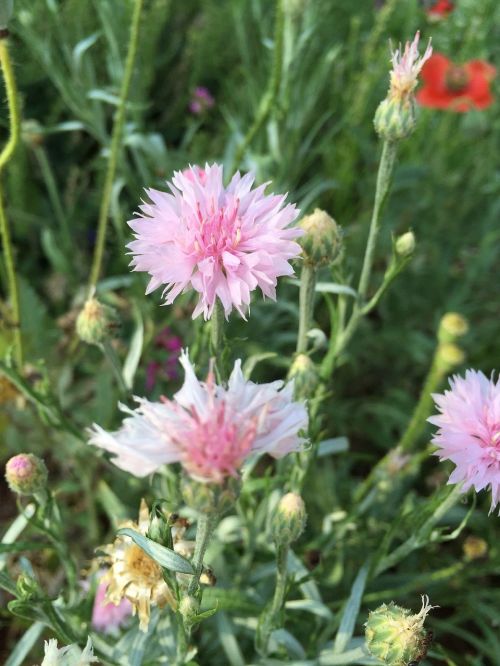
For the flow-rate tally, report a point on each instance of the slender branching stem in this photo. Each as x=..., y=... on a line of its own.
x=116, y=137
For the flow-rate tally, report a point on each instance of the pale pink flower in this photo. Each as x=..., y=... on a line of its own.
x=406, y=66
x=107, y=617
x=210, y=429
x=201, y=100
x=223, y=242
x=469, y=431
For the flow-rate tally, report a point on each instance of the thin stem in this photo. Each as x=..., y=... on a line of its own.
x=53, y=192
x=271, y=616
x=110, y=354
x=306, y=305
x=204, y=529
x=5, y=155
x=217, y=330
x=118, y=124
x=384, y=176
x=270, y=97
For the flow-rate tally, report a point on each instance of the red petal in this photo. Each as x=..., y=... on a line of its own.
x=434, y=71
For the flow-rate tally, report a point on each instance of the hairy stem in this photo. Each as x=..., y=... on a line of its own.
x=204, y=529
x=306, y=305
x=5, y=155
x=116, y=137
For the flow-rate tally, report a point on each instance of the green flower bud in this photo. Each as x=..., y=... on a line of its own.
x=95, y=322
x=322, y=241
x=26, y=474
x=189, y=608
x=452, y=326
x=405, y=244
x=305, y=376
x=394, y=119
x=449, y=356
x=395, y=636
x=289, y=519
x=32, y=133
x=210, y=498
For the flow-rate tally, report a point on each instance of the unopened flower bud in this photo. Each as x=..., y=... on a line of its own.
x=189, y=608
x=95, y=322
x=289, y=519
x=26, y=474
x=305, y=376
x=322, y=241
x=449, y=355
x=452, y=326
x=405, y=244
x=395, y=636
x=475, y=548
x=210, y=498
x=32, y=133
x=395, y=120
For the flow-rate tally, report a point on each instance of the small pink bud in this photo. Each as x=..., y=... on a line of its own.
x=26, y=474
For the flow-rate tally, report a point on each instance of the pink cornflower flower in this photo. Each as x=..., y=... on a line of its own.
x=201, y=100
x=210, y=429
x=221, y=241
x=107, y=617
x=406, y=66
x=469, y=431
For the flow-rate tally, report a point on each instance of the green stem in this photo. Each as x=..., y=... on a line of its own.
x=53, y=192
x=270, y=97
x=118, y=124
x=204, y=529
x=110, y=354
x=306, y=305
x=271, y=617
x=5, y=155
x=384, y=177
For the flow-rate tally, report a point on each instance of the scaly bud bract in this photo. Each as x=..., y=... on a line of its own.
x=26, y=474
x=405, y=244
x=322, y=241
x=289, y=519
x=95, y=322
x=451, y=327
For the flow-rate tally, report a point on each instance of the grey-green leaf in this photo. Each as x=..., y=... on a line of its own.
x=165, y=557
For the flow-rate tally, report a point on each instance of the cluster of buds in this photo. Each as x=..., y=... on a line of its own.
x=322, y=240
x=95, y=322
x=289, y=519
x=396, y=636
x=395, y=117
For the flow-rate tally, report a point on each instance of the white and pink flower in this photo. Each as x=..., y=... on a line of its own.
x=210, y=429
x=469, y=431
x=223, y=242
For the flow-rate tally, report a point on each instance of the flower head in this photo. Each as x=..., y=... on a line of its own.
x=469, y=432
x=68, y=656
x=223, y=242
x=208, y=428
x=135, y=576
x=26, y=474
x=453, y=87
x=201, y=100
x=440, y=10
x=406, y=66
x=108, y=617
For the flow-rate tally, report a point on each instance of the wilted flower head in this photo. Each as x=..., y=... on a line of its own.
x=406, y=66
x=135, y=576
x=223, y=242
x=107, y=617
x=208, y=428
x=469, y=431
x=71, y=655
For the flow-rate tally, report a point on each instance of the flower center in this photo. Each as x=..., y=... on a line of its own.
x=219, y=230
x=457, y=78
x=141, y=566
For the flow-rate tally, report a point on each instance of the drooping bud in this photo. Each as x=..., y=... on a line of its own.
x=95, y=322
x=210, y=498
x=405, y=244
x=305, y=376
x=26, y=474
x=395, y=117
x=451, y=327
x=289, y=519
x=322, y=241
x=449, y=356
x=396, y=636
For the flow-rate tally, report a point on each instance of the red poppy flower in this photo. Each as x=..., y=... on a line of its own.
x=440, y=9
x=456, y=87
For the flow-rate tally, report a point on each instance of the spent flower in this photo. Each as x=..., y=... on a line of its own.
x=469, y=432
x=70, y=655
x=223, y=242
x=210, y=429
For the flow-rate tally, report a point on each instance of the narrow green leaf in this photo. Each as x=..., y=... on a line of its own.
x=24, y=645
x=135, y=350
x=165, y=557
x=329, y=447
x=351, y=610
